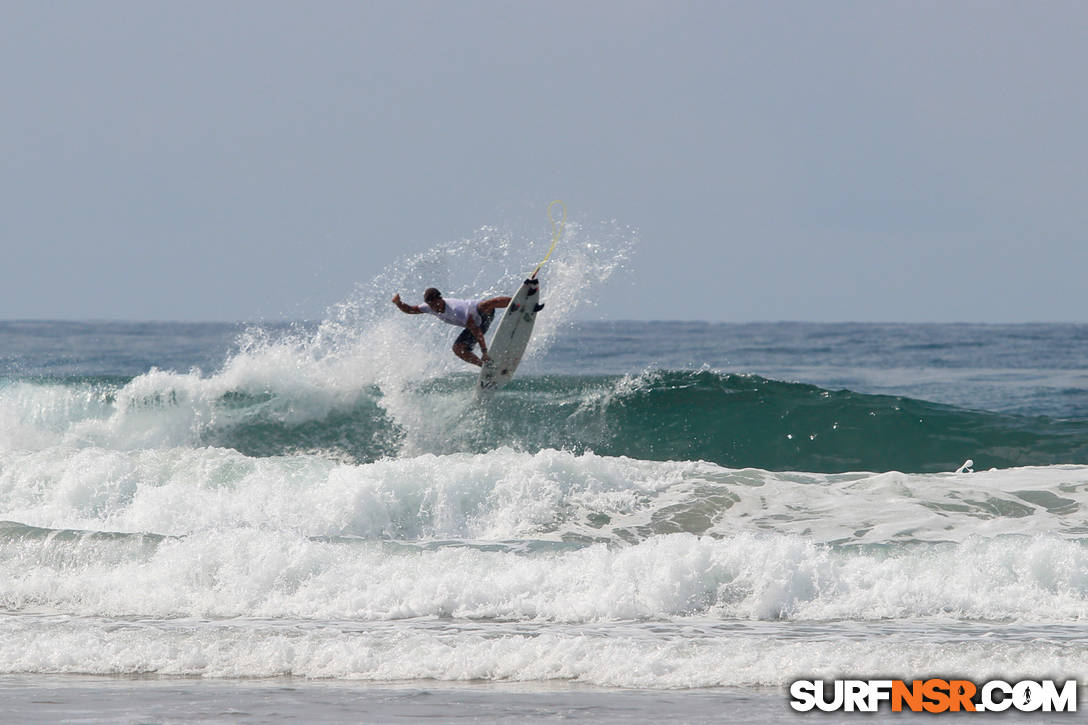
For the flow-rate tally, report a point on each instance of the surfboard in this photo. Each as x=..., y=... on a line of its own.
x=511, y=338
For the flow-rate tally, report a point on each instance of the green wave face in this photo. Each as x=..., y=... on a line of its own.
x=733, y=420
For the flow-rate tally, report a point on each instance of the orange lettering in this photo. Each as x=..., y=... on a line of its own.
x=961, y=692
x=911, y=695
x=936, y=691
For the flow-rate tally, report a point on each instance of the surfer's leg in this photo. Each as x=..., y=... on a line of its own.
x=485, y=322
x=462, y=348
x=465, y=353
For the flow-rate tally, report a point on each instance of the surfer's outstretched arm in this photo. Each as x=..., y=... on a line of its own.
x=406, y=309
x=494, y=303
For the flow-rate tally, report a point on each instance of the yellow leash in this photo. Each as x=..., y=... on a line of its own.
x=557, y=231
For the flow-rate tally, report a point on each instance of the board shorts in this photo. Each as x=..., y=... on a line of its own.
x=467, y=338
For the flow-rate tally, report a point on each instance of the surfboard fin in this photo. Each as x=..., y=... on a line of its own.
x=539, y=307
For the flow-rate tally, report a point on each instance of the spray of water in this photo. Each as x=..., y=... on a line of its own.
x=364, y=353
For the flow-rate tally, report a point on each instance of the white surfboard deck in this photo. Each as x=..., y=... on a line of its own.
x=510, y=340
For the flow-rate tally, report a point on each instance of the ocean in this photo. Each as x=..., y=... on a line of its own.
x=206, y=522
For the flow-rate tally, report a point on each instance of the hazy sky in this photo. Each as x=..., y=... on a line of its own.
x=922, y=161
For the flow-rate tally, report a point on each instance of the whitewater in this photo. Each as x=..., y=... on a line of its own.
x=691, y=510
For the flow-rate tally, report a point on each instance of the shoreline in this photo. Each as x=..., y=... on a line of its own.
x=90, y=699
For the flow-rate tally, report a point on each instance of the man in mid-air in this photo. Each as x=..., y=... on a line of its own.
x=473, y=315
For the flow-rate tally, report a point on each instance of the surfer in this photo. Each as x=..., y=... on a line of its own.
x=473, y=315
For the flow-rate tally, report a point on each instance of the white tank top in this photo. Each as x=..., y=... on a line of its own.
x=456, y=312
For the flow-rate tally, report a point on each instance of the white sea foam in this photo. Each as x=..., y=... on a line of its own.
x=628, y=656
x=251, y=572
x=506, y=494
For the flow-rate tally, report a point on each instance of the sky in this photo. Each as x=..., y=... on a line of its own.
x=824, y=161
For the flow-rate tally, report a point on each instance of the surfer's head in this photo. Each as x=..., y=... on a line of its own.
x=434, y=298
